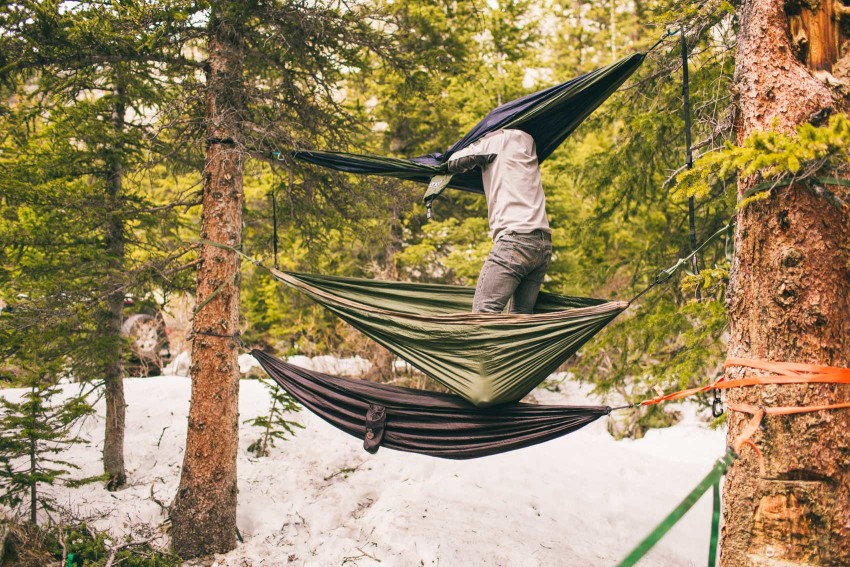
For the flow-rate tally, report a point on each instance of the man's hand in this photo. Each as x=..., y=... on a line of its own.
x=467, y=163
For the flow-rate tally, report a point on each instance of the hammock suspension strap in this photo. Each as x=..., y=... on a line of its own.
x=712, y=480
x=689, y=157
x=664, y=275
x=669, y=33
x=778, y=373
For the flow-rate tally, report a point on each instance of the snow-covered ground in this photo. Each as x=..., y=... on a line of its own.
x=319, y=499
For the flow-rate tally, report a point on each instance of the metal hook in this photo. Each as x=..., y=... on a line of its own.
x=717, y=405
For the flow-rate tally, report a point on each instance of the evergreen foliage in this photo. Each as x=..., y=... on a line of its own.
x=409, y=79
x=77, y=544
x=35, y=437
x=87, y=84
x=82, y=224
x=776, y=158
x=274, y=425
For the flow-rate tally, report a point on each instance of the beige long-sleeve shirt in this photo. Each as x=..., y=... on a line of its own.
x=515, y=199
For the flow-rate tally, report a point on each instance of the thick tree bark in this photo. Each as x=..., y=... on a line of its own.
x=204, y=510
x=113, y=443
x=789, y=299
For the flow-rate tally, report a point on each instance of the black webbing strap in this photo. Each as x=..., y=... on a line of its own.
x=689, y=157
x=274, y=226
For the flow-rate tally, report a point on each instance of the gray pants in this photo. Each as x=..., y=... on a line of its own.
x=514, y=269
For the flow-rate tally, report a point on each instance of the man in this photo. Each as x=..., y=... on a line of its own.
x=516, y=211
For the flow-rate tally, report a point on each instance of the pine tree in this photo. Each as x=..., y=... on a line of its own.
x=83, y=81
x=274, y=425
x=789, y=295
x=256, y=100
x=34, y=432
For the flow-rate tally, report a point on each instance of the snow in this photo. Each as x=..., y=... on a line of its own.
x=179, y=366
x=319, y=499
x=247, y=363
x=354, y=366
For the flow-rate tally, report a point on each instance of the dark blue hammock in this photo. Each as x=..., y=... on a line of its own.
x=549, y=116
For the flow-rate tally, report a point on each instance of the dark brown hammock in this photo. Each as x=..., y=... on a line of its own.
x=428, y=423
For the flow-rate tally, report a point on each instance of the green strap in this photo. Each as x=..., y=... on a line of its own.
x=712, y=479
x=715, y=526
x=209, y=298
x=221, y=287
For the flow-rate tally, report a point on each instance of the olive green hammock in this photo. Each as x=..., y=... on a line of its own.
x=487, y=358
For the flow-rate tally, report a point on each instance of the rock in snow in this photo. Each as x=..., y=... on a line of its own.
x=179, y=366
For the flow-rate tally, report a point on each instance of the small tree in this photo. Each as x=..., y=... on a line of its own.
x=33, y=433
x=274, y=424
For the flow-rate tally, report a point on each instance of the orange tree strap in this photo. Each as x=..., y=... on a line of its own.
x=758, y=414
x=790, y=368
x=782, y=373
x=749, y=430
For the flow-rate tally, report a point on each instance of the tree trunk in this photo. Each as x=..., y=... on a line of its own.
x=204, y=510
x=789, y=299
x=113, y=442
x=33, y=465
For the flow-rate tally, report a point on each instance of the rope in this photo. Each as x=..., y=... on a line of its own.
x=232, y=249
x=235, y=335
x=226, y=141
x=668, y=33
x=665, y=275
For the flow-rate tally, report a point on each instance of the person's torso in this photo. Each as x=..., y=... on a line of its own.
x=515, y=200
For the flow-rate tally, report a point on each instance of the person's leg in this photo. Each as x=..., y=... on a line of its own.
x=528, y=289
x=498, y=279
x=536, y=255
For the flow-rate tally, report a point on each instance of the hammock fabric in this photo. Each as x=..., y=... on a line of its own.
x=428, y=423
x=549, y=116
x=487, y=358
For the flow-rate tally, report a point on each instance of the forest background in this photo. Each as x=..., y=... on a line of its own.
x=608, y=188
x=102, y=153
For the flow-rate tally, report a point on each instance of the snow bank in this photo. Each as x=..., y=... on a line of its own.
x=320, y=500
x=354, y=367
